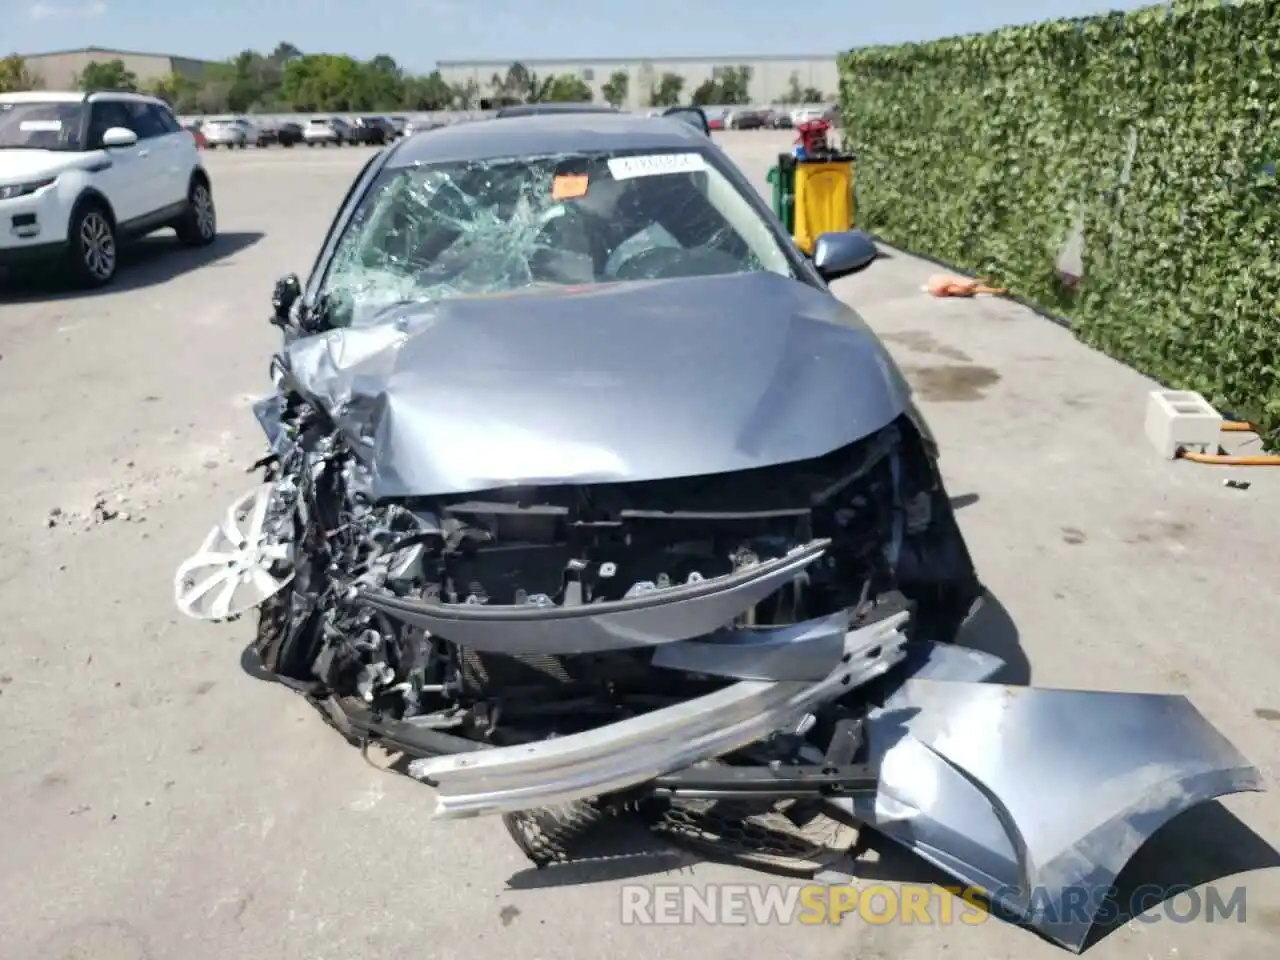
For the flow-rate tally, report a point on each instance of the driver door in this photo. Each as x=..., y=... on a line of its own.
x=125, y=175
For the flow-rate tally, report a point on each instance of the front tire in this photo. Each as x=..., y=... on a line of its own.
x=199, y=225
x=93, y=252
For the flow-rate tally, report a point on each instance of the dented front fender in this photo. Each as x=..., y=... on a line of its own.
x=1037, y=796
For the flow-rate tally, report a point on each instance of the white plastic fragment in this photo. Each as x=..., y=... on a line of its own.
x=232, y=571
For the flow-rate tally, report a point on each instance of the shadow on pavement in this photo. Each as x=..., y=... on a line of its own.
x=145, y=263
x=1176, y=860
x=991, y=629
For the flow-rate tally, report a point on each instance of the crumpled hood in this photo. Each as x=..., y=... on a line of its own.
x=613, y=383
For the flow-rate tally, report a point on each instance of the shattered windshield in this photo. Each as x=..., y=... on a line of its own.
x=433, y=232
x=28, y=125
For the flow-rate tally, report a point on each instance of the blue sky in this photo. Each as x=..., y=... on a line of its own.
x=420, y=32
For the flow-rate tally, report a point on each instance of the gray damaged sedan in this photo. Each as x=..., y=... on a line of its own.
x=587, y=497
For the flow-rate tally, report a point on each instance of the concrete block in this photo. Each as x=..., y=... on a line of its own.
x=1182, y=419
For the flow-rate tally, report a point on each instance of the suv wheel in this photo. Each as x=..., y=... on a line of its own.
x=199, y=225
x=92, y=250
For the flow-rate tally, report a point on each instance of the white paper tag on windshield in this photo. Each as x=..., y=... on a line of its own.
x=40, y=126
x=656, y=165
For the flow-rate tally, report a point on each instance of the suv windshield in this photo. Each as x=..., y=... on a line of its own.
x=49, y=125
x=433, y=232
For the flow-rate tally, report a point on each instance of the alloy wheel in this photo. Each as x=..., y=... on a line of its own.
x=206, y=218
x=97, y=245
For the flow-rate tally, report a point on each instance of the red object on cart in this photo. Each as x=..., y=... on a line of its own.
x=813, y=136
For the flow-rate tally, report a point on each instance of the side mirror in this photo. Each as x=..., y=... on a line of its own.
x=286, y=293
x=695, y=116
x=117, y=137
x=840, y=253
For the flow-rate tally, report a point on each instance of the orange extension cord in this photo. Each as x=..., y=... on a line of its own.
x=945, y=285
x=1229, y=460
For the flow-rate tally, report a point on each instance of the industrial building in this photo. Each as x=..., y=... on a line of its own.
x=771, y=76
x=57, y=70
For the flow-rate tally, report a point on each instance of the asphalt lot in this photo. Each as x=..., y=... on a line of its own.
x=161, y=803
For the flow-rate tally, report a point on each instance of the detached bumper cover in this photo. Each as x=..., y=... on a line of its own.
x=626, y=754
x=1039, y=797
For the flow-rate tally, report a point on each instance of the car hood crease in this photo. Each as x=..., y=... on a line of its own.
x=615, y=383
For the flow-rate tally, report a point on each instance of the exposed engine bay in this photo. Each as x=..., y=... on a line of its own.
x=865, y=528
x=737, y=625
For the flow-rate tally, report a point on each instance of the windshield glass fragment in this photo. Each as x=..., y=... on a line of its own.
x=497, y=227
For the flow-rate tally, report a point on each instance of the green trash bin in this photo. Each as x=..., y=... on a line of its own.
x=783, y=179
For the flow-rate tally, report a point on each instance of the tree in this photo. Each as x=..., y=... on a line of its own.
x=616, y=88
x=289, y=80
x=735, y=84
x=706, y=93
x=15, y=76
x=666, y=93
x=284, y=52
x=567, y=88
x=517, y=84
x=731, y=88
x=466, y=96
x=111, y=75
x=428, y=93
x=181, y=93
x=812, y=95
x=327, y=82
x=795, y=93
x=383, y=63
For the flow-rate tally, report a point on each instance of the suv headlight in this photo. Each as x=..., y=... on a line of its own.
x=22, y=189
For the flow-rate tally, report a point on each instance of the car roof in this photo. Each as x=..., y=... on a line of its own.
x=75, y=96
x=544, y=134
x=534, y=109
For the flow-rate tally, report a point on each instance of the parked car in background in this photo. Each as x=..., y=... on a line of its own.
x=289, y=133
x=326, y=130
x=372, y=130
x=743, y=118
x=398, y=124
x=285, y=133
x=777, y=118
x=81, y=174
x=715, y=117
x=419, y=126
x=228, y=132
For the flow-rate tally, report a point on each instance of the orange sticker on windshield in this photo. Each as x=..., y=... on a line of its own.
x=567, y=186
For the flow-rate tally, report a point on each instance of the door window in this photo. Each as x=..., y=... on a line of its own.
x=107, y=114
x=165, y=118
x=145, y=121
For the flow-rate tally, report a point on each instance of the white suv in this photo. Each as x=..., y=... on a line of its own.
x=82, y=172
x=326, y=130
x=233, y=132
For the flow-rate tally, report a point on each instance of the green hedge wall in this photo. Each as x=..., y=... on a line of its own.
x=1158, y=130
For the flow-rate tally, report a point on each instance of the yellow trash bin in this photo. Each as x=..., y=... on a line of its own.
x=823, y=199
